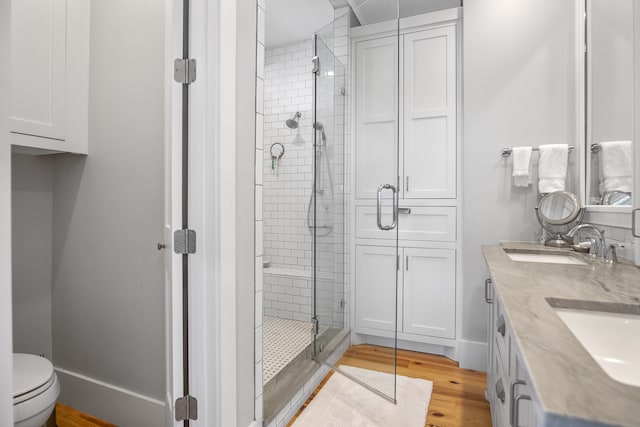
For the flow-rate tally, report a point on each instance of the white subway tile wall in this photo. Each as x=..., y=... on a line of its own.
x=288, y=181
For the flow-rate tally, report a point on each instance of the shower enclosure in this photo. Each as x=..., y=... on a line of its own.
x=318, y=135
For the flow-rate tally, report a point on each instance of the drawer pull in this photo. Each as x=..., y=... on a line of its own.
x=501, y=325
x=512, y=418
x=500, y=390
x=516, y=415
x=487, y=298
x=405, y=211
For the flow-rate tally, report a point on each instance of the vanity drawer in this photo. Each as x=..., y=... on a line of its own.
x=427, y=223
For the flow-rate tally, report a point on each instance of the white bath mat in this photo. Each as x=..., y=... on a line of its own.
x=343, y=403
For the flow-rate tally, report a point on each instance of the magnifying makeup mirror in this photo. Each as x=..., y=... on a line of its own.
x=555, y=212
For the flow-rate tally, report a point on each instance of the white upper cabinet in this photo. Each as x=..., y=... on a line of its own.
x=376, y=115
x=427, y=99
x=50, y=74
x=429, y=114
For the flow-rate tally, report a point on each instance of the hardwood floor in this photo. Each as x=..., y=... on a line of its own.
x=69, y=417
x=458, y=394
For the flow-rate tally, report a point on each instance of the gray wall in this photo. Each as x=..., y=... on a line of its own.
x=518, y=90
x=108, y=280
x=32, y=220
x=6, y=388
x=245, y=207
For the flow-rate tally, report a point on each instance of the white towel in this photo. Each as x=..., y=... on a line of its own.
x=552, y=167
x=521, y=166
x=616, y=166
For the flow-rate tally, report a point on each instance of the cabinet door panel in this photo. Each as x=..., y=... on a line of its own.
x=429, y=292
x=38, y=67
x=375, y=153
x=429, y=109
x=376, y=287
x=376, y=115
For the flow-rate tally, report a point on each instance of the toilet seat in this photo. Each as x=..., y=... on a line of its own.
x=31, y=376
x=33, y=393
x=35, y=390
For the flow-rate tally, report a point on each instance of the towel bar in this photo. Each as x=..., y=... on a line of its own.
x=506, y=152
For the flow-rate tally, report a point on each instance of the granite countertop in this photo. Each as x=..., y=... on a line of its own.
x=571, y=388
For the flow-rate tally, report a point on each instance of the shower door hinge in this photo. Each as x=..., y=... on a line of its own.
x=316, y=64
x=315, y=325
x=186, y=408
x=184, y=70
x=184, y=242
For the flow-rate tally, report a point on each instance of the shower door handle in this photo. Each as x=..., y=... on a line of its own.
x=395, y=207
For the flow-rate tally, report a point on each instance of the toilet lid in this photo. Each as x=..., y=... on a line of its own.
x=29, y=373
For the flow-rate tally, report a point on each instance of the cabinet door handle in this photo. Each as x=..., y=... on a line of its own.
x=633, y=222
x=512, y=418
x=407, y=263
x=406, y=187
x=500, y=390
x=516, y=415
x=379, y=207
x=487, y=298
x=501, y=325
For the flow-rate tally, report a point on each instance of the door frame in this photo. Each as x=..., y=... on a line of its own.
x=6, y=346
x=213, y=288
x=636, y=145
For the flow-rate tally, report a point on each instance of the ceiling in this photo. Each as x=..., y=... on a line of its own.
x=372, y=11
x=289, y=21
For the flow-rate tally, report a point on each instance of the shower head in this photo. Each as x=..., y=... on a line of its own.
x=292, y=123
x=320, y=128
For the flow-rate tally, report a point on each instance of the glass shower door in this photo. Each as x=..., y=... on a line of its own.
x=376, y=153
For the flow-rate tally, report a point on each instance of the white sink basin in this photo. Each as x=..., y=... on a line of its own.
x=545, y=258
x=610, y=338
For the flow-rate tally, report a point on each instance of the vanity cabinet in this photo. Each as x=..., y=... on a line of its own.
x=49, y=75
x=426, y=292
x=508, y=385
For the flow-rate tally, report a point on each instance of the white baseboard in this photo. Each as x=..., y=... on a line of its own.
x=442, y=350
x=114, y=404
x=473, y=355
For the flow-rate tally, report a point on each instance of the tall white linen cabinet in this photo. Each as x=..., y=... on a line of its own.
x=404, y=116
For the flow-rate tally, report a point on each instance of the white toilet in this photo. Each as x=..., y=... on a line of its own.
x=35, y=390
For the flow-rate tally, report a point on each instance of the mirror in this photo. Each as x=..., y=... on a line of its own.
x=558, y=208
x=609, y=101
x=556, y=212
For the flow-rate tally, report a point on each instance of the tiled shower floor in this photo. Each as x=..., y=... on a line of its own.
x=283, y=340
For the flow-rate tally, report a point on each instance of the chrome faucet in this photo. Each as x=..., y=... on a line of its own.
x=611, y=257
x=601, y=248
